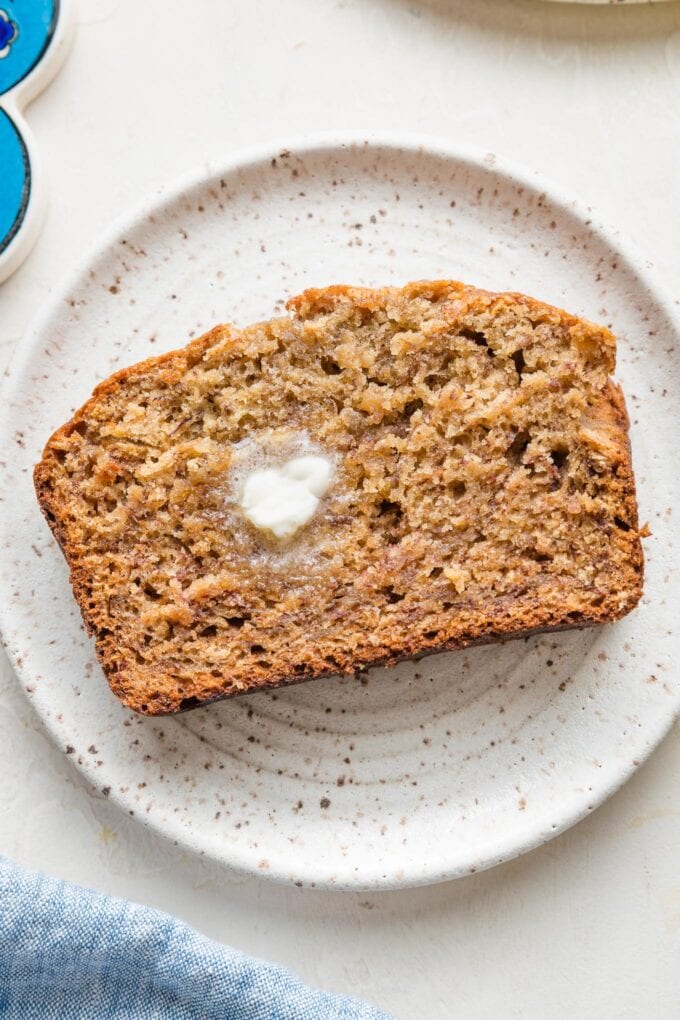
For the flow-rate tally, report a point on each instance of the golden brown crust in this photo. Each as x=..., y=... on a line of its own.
x=515, y=421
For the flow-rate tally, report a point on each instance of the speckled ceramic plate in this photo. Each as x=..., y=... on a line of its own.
x=409, y=775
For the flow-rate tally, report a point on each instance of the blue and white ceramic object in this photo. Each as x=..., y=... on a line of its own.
x=33, y=42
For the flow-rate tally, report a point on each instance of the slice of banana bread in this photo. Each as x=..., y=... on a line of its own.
x=476, y=484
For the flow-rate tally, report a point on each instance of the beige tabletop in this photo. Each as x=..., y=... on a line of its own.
x=589, y=925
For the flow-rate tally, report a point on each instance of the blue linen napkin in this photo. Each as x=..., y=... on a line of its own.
x=67, y=953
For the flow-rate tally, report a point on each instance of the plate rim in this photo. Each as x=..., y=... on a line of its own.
x=248, y=158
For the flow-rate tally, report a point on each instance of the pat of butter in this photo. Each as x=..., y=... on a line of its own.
x=283, y=499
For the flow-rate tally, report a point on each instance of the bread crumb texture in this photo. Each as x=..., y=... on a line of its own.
x=482, y=489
